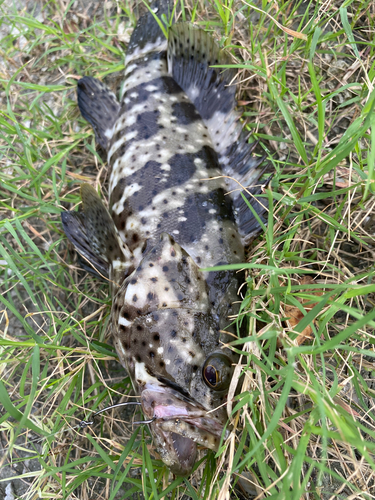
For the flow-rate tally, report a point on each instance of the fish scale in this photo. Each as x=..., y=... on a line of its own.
x=175, y=148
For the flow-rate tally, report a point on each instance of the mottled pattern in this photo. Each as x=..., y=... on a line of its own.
x=162, y=157
x=169, y=142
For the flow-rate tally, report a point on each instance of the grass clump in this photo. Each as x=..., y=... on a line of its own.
x=303, y=424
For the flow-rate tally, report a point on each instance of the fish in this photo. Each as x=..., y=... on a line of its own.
x=177, y=156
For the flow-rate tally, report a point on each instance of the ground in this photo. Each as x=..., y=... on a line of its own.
x=303, y=425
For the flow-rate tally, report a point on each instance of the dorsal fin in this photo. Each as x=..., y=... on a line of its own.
x=191, y=54
x=147, y=35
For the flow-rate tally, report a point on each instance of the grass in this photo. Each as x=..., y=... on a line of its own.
x=304, y=424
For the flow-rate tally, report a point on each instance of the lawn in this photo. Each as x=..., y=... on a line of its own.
x=303, y=425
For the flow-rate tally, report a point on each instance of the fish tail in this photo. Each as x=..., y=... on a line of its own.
x=148, y=34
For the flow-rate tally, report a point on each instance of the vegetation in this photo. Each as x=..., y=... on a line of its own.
x=304, y=423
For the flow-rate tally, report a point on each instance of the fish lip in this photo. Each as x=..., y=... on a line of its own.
x=178, y=427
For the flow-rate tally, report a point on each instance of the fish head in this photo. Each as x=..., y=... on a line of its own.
x=170, y=340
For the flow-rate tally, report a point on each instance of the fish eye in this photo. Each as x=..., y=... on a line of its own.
x=217, y=372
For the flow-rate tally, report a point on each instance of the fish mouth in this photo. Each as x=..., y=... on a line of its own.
x=178, y=426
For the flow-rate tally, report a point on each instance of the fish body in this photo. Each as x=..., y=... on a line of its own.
x=169, y=140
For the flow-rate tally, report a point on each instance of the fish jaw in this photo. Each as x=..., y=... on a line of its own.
x=178, y=426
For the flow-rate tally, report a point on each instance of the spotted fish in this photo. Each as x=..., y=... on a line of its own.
x=175, y=147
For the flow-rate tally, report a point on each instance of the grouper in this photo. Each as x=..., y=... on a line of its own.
x=178, y=158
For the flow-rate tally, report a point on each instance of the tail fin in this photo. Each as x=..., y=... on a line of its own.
x=147, y=34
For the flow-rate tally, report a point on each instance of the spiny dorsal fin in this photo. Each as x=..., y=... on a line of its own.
x=191, y=54
x=95, y=236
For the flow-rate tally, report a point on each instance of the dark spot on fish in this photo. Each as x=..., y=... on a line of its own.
x=138, y=358
x=165, y=269
x=151, y=296
x=133, y=281
x=185, y=112
x=143, y=343
x=139, y=328
x=184, y=338
x=154, y=279
x=221, y=241
x=164, y=304
x=161, y=364
x=173, y=252
x=199, y=260
x=135, y=298
x=151, y=354
x=156, y=337
x=151, y=264
x=166, y=288
x=135, y=341
x=123, y=328
x=180, y=296
x=195, y=368
x=192, y=354
x=173, y=334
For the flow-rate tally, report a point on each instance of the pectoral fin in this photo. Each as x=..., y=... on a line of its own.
x=96, y=238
